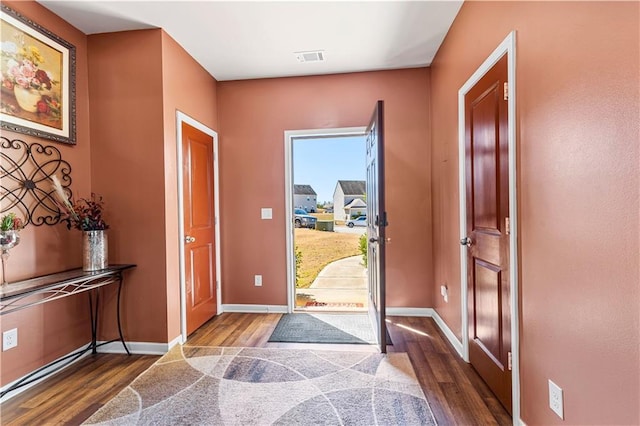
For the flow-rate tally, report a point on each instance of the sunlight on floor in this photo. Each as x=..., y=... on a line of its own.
x=413, y=330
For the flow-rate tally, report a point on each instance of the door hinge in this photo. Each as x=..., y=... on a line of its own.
x=509, y=361
x=506, y=91
x=507, y=226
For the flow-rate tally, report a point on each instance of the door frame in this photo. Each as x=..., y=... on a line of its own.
x=289, y=137
x=507, y=47
x=180, y=119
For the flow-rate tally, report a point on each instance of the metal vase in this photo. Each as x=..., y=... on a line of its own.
x=95, y=250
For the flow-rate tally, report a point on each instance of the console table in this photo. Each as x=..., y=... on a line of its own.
x=36, y=291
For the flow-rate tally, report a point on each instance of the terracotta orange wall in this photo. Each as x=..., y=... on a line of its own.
x=49, y=331
x=125, y=89
x=578, y=172
x=188, y=88
x=253, y=116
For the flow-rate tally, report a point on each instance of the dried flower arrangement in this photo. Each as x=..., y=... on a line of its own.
x=83, y=215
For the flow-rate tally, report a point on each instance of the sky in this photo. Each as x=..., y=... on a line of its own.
x=322, y=162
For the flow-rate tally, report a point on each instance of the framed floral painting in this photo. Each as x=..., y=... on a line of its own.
x=38, y=80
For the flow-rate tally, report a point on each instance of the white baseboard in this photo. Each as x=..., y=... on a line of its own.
x=410, y=312
x=48, y=369
x=450, y=335
x=176, y=341
x=522, y=423
x=252, y=309
x=142, y=348
x=430, y=313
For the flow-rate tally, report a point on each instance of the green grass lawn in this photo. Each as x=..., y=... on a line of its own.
x=323, y=216
x=320, y=248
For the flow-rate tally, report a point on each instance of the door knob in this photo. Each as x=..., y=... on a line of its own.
x=189, y=239
x=373, y=240
x=466, y=241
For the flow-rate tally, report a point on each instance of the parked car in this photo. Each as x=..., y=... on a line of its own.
x=359, y=221
x=303, y=220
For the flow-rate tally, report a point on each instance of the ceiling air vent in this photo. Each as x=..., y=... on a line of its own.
x=310, y=56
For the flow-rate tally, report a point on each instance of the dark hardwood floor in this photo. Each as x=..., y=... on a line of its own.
x=455, y=392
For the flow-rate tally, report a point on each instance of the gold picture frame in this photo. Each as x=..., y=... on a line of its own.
x=37, y=80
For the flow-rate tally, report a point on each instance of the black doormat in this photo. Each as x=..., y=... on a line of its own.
x=325, y=328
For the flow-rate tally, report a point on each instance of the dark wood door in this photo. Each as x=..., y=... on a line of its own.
x=376, y=222
x=487, y=192
x=199, y=226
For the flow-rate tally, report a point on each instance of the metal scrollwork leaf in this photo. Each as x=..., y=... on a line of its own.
x=25, y=180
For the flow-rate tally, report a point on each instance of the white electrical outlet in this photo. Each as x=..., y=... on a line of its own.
x=555, y=399
x=257, y=280
x=9, y=339
x=444, y=291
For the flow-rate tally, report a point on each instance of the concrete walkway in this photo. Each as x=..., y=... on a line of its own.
x=341, y=285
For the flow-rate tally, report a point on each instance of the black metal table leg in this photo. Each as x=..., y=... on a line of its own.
x=93, y=311
x=118, y=314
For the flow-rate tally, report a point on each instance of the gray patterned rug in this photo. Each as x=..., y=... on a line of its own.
x=267, y=386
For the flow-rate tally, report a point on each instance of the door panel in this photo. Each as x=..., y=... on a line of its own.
x=483, y=115
x=376, y=223
x=487, y=193
x=202, y=185
x=487, y=307
x=203, y=287
x=199, y=227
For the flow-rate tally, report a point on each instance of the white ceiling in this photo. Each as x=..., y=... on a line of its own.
x=236, y=40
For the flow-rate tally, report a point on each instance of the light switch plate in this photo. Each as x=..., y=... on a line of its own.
x=266, y=213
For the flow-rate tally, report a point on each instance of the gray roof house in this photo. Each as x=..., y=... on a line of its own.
x=343, y=196
x=304, y=197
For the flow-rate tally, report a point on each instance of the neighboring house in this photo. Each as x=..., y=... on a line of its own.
x=343, y=199
x=304, y=197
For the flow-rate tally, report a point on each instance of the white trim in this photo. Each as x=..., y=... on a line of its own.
x=507, y=47
x=430, y=313
x=142, y=348
x=409, y=312
x=183, y=118
x=289, y=136
x=449, y=334
x=49, y=368
x=252, y=309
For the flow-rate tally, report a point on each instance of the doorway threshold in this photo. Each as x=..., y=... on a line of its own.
x=332, y=307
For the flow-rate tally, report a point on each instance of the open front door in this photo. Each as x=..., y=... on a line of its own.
x=376, y=222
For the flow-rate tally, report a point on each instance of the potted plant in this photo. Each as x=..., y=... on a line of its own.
x=86, y=215
x=10, y=225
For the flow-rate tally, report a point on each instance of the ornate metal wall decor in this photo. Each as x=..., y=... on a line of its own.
x=25, y=180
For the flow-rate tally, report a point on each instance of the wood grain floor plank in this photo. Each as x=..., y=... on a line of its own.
x=455, y=392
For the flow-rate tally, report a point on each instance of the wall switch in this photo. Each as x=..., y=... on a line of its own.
x=266, y=213
x=257, y=280
x=555, y=399
x=9, y=339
